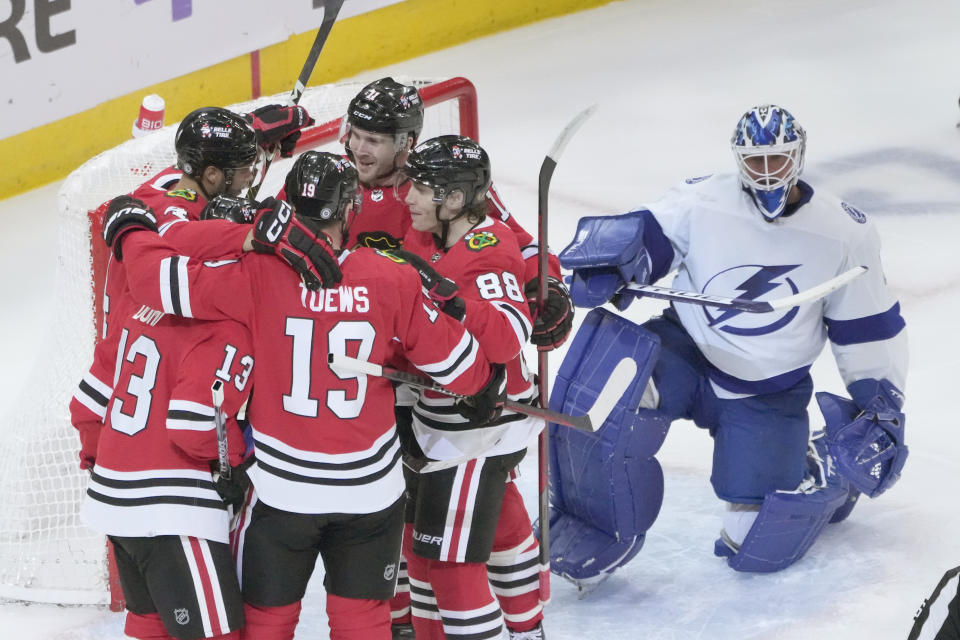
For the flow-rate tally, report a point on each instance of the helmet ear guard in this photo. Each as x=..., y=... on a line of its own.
x=769, y=146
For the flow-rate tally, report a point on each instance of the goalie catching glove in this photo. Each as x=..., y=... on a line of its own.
x=125, y=213
x=866, y=435
x=279, y=125
x=297, y=241
x=486, y=405
x=443, y=291
x=551, y=326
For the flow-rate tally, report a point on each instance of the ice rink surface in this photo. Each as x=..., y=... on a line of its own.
x=875, y=85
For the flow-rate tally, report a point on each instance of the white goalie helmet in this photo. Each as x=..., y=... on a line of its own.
x=769, y=145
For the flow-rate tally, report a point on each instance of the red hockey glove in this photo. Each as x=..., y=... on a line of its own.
x=443, y=291
x=125, y=213
x=298, y=242
x=279, y=125
x=486, y=405
x=550, y=328
x=89, y=439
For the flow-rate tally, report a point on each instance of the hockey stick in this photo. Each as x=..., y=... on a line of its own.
x=219, y=422
x=346, y=363
x=331, y=9
x=751, y=306
x=543, y=440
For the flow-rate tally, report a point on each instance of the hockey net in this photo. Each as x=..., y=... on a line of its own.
x=46, y=554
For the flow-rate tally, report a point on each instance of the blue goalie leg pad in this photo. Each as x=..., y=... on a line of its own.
x=790, y=521
x=581, y=553
x=788, y=524
x=606, y=488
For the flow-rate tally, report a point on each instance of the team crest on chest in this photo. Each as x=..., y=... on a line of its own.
x=187, y=194
x=478, y=240
x=376, y=195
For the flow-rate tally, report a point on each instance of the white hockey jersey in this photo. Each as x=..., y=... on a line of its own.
x=721, y=245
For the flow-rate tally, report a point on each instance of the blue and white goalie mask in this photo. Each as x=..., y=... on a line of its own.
x=769, y=146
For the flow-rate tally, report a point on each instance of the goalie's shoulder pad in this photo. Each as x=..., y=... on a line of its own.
x=605, y=241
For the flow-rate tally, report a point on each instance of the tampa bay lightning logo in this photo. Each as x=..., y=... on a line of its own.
x=854, y=213
x=751, y=282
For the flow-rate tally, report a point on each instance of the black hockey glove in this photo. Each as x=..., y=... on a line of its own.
x=279, y=125
x=550, y=328
x=443, y=291
x=232, y=209
x=486, y=405
x=233, y=490
x=125, y=213
x=298, y=242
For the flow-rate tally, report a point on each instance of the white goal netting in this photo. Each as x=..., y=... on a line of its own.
x=46, y=554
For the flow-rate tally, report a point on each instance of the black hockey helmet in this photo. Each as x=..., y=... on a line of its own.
x=231, y=208
x=450, y=163
x=211, y=136
x=321, y=185
x=387, y=106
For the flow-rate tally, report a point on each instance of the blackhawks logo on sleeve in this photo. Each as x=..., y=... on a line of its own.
x=477, y=240
x=187, y=194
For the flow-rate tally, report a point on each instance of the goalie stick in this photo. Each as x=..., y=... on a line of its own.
x=331, y=9
x=743, y=304
x=354, y=365
x=223, y=455
x=543, y=440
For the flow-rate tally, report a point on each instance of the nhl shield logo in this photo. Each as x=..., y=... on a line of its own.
x=182, y=616
x=389, y=571
x=376, y=195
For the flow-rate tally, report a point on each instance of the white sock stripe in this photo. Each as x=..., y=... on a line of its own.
x=471, y=613
x=197, y=585
x=523, y=617
x=506, y=557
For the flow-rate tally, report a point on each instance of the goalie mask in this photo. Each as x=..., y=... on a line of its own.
x=323, y=186
x=769, y=146
x=385, y=106
x=216, y=137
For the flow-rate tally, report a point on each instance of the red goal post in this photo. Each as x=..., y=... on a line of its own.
x=46, y=554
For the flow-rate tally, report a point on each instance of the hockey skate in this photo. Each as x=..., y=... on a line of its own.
x=532, y=634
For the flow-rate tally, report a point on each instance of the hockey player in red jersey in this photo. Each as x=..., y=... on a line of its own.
x=464, y=503
x=218, y=152
x=381, y=126
x=151, y=489
x=327, y=472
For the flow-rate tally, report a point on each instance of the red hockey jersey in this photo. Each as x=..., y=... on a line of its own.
x=152, y=474
x=325, y=441
x=171, y=208
x=486, y=265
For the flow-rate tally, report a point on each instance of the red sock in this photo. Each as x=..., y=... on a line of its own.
x=358, y=619
x=146, y=626
x=270, y=623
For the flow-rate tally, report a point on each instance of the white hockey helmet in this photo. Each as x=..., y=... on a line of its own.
x=769, y=145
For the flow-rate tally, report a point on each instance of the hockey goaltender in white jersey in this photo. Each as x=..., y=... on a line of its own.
x=759, y=234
